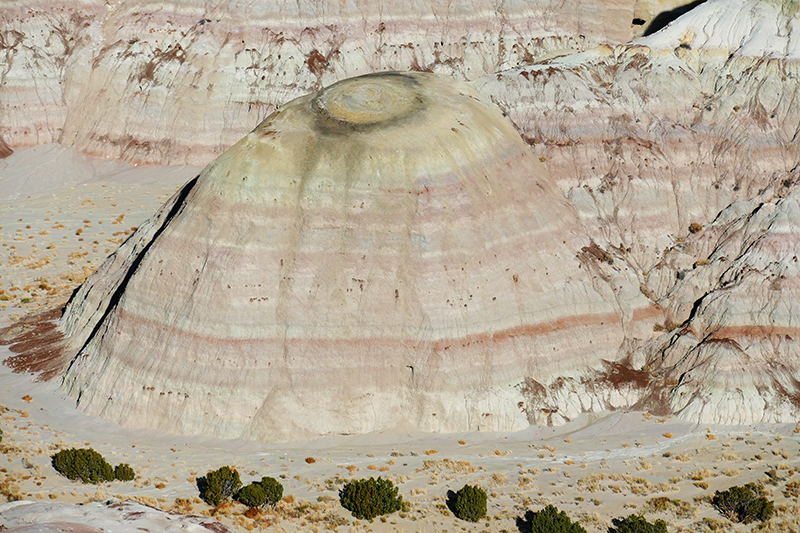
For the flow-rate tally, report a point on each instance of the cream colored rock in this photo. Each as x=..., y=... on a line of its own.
x=186, y=80
x=651, y=146
x=384, y=254
x=734, y=359
x=753, y=28
x=111, y=514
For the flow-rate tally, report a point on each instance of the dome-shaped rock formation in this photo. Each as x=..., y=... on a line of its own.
x=384, y=254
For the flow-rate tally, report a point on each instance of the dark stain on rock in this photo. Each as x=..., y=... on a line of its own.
x=37, y=344
x=317, y=63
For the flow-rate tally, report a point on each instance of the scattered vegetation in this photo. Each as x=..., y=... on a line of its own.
x=548, y=520
x=637, y=524
x=368, y=498
x=219, y=486
x=743, y=504
x=470, y=503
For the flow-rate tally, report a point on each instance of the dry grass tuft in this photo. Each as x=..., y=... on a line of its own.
x=678, y=508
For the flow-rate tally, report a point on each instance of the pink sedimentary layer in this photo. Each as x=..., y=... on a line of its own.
x=158, y=82
x=419, y=276
x=646, y=143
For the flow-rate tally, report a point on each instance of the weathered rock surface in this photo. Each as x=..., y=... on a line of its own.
x=187, y=80
x=96, y=517
x=652, y=265
x=375, y=256
x=750, y=28
x=682, y=161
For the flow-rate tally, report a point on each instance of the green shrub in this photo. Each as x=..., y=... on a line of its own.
x=470, y=503
x=124, y=472
x=85, y=464
x=252, y=495
x=273, y=489
x=548, y=520
x=218, y=486
x=368, y=498
x=637, y=524
x=743, y=504
x=260, y=493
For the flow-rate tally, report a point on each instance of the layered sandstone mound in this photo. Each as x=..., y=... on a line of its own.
x=385, y=253
x=682, y=162
x=188, y=79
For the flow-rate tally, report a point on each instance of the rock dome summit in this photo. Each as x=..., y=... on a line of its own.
x=384, y=254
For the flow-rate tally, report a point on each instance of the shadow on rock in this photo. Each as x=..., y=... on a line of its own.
x=664, y=18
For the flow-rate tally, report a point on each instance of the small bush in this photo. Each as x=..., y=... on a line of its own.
x=252, y=495
x=85, y=464
x=695, y=227
x=272, y=488
x=548, y=520
x=470, y=503
x=124, y=472
x=368, y=498
x=219, y=486
x=637, y=524
x=743, y=504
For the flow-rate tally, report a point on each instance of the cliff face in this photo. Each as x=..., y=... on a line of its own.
x=682, y=160
x=187, y=80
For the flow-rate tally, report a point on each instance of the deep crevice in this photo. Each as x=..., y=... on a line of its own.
x=117, y=296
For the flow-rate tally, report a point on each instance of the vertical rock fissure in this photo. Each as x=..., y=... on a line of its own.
x=117, y=296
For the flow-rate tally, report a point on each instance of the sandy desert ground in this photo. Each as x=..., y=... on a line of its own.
x=596, y=468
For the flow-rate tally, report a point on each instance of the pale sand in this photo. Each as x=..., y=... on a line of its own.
x=63, y=213
x=576, y=467
x=595, y=468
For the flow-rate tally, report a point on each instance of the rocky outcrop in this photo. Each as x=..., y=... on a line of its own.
x=187, y=80
x=373, y=256
x=112, y=514
x=734, y=358
x=682, y=160
x=374, y=238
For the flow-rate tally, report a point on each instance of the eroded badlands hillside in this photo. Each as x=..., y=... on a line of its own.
x=666, y=232
x=186, y=80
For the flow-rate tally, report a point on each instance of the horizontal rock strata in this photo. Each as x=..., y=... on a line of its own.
x=375, y=256
x=187, y=80
x=682, y=165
